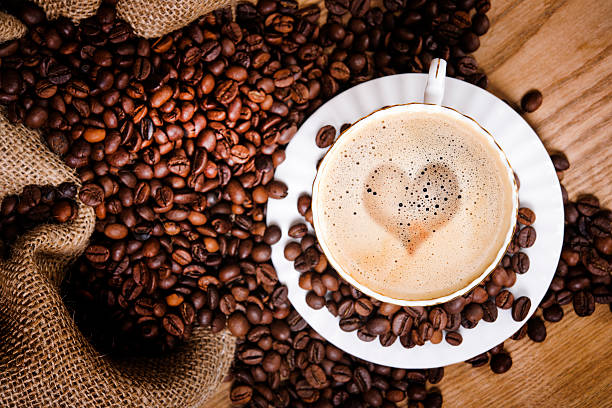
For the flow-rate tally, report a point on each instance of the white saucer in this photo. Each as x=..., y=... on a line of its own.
x=539, y=191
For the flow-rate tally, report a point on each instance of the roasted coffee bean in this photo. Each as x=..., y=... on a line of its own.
x=91, y=195
x=473, y=312
x=454, y=338
x=350, y=324
x=276, y=189
x=173, y=325
x=325, y=137
x=584, y=303
x=500, y=363
x=531, y=101
x=298, y=230
x=315, y=301
x=504, y=299
x=480, y=23
x=520, y=308
x=478, y=360
x=489, y=309
x=536, y=329
x=401, y=324
x=526, y=216
x=341, y=373
x=241, y=394
x=553, y=313
x=238, y=324
x=378, y=326
x=362, y=378
x=454, y=306
x=315, y=376
x=527, y=237
x=251, y=356
x=520, y=262
x=587, y=205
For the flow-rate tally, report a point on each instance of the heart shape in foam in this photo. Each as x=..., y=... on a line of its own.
x=412, y=206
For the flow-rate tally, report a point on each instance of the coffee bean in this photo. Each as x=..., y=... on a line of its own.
x=473, y=312
x=271, y=362
x=584, y=303
x=500, y=363
x=553, y=313
x=480, y=23
x=303, y=204
x=241, y=394
x=276, y=189
x=531, y=101
x=489, y=309
x=520, y=308
x=349, y=324
x=298, y=230
x=362, y=378
x=536, y=329
x=526, y=216
x=251, y=356
x=504, y=299
x=527, y=237
x=173, y=325
x=454, y=306
x=238, y=324
x=478, y=360
x=91, y=195
x=454, y=338
x=36, y=117
x=401, y=324
x=378, y=326
x=325, y=137
x=520, y=262
x=315, y=376
x=315, y=301
x=560, y=161
x=587, y=205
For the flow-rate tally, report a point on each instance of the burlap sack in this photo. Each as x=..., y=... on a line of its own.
x=75, y=10
x=45, y=361
x=154, y=18
x=148, y=18
x=10, y=27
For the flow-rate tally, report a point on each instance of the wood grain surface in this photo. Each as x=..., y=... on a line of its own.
x=564, y=49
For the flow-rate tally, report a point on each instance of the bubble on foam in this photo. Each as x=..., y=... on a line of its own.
x=391, y=248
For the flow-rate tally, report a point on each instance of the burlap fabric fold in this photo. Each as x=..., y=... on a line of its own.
x=10, y=27
x=148, y=18
x=154, y=18
x=45, y=361
x=75, y=10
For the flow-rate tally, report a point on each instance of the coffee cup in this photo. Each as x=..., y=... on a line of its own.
x=415, y=204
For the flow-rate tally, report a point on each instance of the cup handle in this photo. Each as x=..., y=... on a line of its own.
x=434, y=90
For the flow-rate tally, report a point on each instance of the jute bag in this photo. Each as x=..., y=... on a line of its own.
x=10, y=28
x=148, y=18
x=154, y=18
x=45, y=361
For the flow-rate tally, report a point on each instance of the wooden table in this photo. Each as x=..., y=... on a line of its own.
x=564, y=49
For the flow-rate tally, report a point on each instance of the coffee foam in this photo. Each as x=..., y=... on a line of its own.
x=413, y=205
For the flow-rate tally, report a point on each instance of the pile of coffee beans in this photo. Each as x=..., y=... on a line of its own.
x=176, y=141
x=584, y=273
x=35, y=205
x=583, y=276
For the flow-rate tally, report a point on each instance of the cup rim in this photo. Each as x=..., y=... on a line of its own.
x=473, y=283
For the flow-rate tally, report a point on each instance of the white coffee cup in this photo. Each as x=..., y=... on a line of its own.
x=433, y=95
